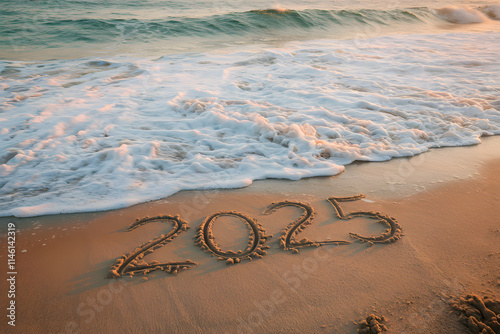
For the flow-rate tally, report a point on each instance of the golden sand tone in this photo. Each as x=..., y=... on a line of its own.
x=372, y=325
x=426, y=234
x=132, y=263
x=255, y=248
x=391, y=235
x=480, y=316
x=288, y=238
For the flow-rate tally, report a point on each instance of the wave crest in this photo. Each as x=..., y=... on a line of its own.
x=463, y=15
x=493, y=11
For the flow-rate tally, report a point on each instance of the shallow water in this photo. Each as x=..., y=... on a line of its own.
x=108, y=104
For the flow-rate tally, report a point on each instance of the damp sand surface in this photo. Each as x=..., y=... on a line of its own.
x=448, y=210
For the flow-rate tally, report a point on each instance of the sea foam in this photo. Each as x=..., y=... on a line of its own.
x=461, y=14
x=493, y=11
x=96, y=134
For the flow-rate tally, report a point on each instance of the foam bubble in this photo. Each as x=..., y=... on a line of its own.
x=199, y=121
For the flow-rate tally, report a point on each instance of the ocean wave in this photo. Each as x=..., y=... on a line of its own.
x=95, y=134
x=462, y=15
x=58, y=30
x=493, y=11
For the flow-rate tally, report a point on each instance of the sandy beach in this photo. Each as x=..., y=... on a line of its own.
x=448, y=209
x=250, y=167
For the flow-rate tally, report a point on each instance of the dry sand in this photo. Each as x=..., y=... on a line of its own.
x=447, y=202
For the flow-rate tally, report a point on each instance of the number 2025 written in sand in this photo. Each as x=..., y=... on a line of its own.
x=133, y=263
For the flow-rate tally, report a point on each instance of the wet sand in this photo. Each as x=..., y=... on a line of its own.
x=446, y=201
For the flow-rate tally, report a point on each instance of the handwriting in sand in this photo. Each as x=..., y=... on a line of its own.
x=132, y=263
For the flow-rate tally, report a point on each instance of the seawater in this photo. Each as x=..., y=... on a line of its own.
x=105, y=104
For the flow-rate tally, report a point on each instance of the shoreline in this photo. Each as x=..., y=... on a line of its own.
x=450, y=220
x=396, y=174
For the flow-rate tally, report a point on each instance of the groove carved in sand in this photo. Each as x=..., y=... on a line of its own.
x=133, y=263
x=288, y=239
x=256, y=243
x=392, y=234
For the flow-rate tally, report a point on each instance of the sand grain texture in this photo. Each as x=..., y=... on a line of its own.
x=449, y=249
